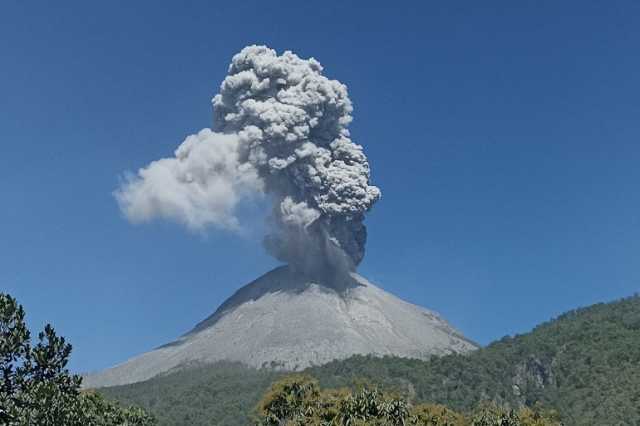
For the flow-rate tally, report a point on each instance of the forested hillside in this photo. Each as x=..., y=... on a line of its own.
x=585, y=364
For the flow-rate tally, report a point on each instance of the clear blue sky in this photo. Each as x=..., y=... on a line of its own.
x=504, y=135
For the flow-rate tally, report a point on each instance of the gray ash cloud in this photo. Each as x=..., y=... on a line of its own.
x=281, y=130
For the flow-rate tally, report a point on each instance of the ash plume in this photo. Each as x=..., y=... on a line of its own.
x=281, y=130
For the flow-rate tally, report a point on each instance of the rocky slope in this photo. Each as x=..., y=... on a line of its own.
x=288, y=321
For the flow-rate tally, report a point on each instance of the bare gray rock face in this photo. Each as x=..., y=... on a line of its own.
x=290, y=321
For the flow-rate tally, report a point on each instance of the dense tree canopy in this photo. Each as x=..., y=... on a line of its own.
x=299, y=401
x=37, y=389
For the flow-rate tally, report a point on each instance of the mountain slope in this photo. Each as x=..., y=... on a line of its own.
x=289, y=321
x=586, y=364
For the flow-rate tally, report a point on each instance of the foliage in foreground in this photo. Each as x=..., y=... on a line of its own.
x=37, y=389
x=299, y=401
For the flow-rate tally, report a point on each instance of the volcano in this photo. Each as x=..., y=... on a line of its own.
x=289, y=321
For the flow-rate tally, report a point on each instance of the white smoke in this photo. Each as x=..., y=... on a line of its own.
x=280, y=128
x=199, y=187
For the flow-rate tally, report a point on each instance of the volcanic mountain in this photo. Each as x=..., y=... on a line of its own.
x=290, y=321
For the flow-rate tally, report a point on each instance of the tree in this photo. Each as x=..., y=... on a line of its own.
x=437, y=415
x=299, y=400
x=293, y=398
x=37, y=389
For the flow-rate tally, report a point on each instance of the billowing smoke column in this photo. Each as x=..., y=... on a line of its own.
x=280, y=129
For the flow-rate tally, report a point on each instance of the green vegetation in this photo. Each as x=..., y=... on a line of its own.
x=584, y=364
x=299, y=401
x=223, y=394
x=37, y=389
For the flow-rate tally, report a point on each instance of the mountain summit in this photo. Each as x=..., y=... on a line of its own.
x=290, y=321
